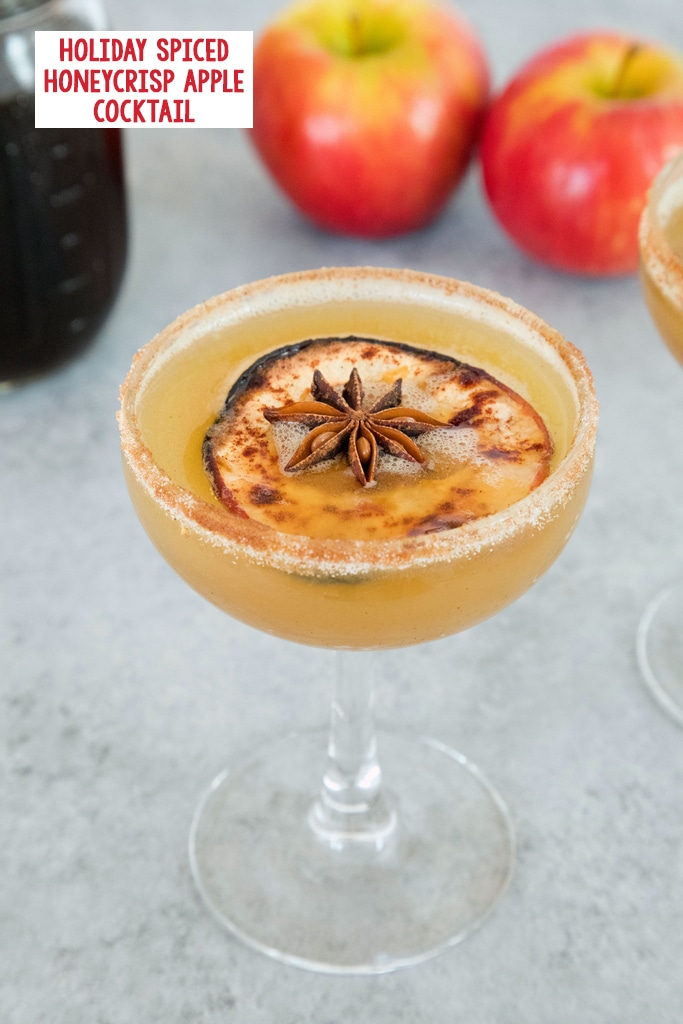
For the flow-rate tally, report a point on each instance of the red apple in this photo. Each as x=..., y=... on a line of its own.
x=571, y=145
x=366, y=111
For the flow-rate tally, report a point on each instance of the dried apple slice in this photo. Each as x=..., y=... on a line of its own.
x=359, y=456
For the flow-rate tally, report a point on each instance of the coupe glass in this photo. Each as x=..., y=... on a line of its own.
x=307, y=849
x=660, y=637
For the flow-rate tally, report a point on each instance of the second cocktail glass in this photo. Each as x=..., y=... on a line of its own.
x=660, y=636
x=373, y=868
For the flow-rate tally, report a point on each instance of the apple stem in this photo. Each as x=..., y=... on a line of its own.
x=626, y=60
x=355, y=33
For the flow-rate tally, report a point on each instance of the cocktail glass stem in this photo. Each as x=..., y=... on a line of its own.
x=660, y=649
x=354, y=874
x=352, y=806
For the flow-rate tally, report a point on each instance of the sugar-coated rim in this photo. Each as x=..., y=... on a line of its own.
x=310, y=556
x=663, y=265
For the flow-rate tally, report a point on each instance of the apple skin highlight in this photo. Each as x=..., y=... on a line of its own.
x=366, y=112
x=572, y=144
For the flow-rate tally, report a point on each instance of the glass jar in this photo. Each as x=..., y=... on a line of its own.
x=62, y=206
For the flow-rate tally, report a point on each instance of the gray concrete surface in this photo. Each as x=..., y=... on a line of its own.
x=123, y=693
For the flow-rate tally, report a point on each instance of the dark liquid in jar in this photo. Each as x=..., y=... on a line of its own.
x=62, y=237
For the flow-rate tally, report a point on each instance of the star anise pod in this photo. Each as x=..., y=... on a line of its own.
x=340, y=421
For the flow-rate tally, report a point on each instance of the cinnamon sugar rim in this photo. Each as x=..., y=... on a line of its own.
x=663, y=265
x=311, y=556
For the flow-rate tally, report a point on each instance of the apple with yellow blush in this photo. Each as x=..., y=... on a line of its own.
x=366, y=112
x=572, y=144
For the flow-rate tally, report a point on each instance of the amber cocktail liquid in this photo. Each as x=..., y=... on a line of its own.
x=355, y=459
x=341, y=593
x=661, y=252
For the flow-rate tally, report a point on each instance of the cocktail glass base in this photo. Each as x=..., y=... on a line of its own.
x=660, y=649
x=352, y=905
